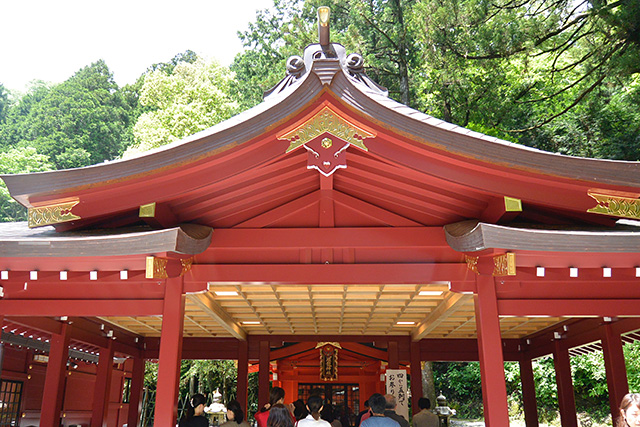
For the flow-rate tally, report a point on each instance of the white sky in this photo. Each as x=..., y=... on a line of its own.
x=51, y=40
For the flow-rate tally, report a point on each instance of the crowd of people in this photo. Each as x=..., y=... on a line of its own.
x=379, y=412
x=315, y=412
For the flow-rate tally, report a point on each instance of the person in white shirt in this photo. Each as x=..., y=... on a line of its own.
x=314, y=405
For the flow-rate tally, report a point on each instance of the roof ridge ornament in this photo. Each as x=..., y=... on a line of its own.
x=325, y=60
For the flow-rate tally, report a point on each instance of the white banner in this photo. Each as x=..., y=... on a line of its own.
x=397, y=386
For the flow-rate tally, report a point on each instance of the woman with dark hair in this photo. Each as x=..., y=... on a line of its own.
x=314, y=405
x=629, y=411
x=193, y=417
x=299, y=410
x=235, y=416
x=276, y=396
x=279, y=416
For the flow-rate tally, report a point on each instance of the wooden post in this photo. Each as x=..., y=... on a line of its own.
x=263, y=374
x=528, y=391
x=102, y=387
x=392, y=355
x=416, y=377
x=242, y=385
x=615, y=367
x=1, y=345
x=566, y=399
x=494, y=388
x=166, y=410
x=55, y=379
x=135, y=395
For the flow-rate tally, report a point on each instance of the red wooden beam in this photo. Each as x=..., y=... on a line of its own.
x=87, y=307
x=614, y=364
x=494, y=389
x=569, y=307
x=330, y=273
x=566, y=398
x=102, y=387
x=55, y=379
x=135, y=393
x=242, y=381
x=166, y=410
x=528, y=392
x=310, y=238
x=569, y=289
x=263, y=374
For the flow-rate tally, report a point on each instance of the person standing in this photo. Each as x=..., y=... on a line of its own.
x=194, y=416
x=314, y=406
x=390, y=410
x=377, y=404
x=235, y=416
x=276, y=396
x=362, y=413
x=425, y=418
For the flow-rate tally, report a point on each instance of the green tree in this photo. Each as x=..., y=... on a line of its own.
x=24, y=160
x=81, y=121
x=192, y=98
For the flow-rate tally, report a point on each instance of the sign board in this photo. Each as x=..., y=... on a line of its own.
x=397, y=386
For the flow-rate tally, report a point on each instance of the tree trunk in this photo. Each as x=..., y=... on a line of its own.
x=428, y=384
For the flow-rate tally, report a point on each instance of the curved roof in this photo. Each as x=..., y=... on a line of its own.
x=475, y=236
x=16, y=240
x=421, y=169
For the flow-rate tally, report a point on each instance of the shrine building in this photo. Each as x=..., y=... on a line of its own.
x=328, y=221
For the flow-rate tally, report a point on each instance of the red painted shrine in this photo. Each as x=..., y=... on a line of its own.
x=328, y=213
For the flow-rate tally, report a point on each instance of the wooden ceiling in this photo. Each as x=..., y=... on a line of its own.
x=430, y=310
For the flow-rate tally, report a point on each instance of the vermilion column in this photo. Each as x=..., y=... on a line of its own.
x=494, y=388
x=166, y=410
x=1, y=345
x=263, y=374
x=392, y=352
x=55, y=379
x=135, y=395
x=615, y=367
x=242, y=385
x=566, y=399
x=416, y=377
x=102, y=387
x=528, y=392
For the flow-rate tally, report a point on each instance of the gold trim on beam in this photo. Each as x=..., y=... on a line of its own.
x=147, y=211
x=327, y=120
x=472, y=263
x=504, y=265
x=156, y=268
x=512, y=204
x=51, y=214
x=622, y=207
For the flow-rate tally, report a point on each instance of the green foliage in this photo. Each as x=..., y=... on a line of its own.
x=76, y=123
x=460, y=384
x=192, y=98
x=211, y=375
x=15, y=160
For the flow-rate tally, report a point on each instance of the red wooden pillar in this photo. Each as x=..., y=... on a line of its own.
x=263, y=374
x=615, y=367
x=135, y=395
x=566, y=399
x=55, y=379
x=166, y=410
x=392, y=354
x=528, y=391
x=1, y=345
x=494, y=388
x=242, y=384
x=102, y=387
x=416, y=377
